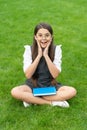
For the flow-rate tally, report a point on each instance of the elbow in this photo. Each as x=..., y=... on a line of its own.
x=55, y=77
x=27, y=75
x=56, y=74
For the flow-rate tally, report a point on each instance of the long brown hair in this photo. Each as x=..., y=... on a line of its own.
x=35, y=46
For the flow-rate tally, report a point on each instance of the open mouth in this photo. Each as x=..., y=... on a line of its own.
x=43, y=44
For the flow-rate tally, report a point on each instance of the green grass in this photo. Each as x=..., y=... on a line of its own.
x=69, y=21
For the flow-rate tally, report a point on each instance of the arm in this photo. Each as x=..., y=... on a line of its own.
x=55, y=66
x=31, y=69
x=29, y=66
x=52, y=68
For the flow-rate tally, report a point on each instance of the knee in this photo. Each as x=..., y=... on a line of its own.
x=14, y=92
x=74, y=92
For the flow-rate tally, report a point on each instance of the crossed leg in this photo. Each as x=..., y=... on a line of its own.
x=63, y=93
x=24, y=93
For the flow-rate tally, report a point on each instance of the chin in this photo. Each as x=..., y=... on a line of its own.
x=43, y=47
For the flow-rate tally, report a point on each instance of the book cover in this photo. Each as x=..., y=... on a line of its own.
x=44, y=91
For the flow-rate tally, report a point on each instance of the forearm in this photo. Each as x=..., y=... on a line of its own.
x=52, y=68
x=31, y=69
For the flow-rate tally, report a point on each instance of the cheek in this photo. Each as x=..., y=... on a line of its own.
x=38, y=39
x=49, y=39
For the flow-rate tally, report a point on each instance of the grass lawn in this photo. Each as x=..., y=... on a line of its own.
x=69, y=21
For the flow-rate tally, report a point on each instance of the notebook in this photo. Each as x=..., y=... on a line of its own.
x=51, y=90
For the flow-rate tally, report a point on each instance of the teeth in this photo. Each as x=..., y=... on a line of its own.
x=43, y=42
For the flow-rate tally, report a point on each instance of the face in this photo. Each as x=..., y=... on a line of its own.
x=43, y=37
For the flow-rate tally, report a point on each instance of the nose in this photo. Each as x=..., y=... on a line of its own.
x=43, y=37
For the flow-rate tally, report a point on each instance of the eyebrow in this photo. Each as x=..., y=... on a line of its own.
x=44, y=34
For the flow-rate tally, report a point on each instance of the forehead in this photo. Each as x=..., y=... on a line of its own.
x=43, y=31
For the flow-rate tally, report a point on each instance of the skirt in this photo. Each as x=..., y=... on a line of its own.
x=29, y=83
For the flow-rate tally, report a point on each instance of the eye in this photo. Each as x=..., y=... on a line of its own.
x=39, y=35
x=47, y=35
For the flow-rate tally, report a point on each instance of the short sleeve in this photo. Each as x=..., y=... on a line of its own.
x=27, y=57
x=58, y=57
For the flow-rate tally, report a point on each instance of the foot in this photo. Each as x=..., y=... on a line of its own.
x=60, y=103
x=26, y=104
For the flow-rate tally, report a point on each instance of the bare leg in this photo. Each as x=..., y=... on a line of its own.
x=64, y=93
x=24, y=93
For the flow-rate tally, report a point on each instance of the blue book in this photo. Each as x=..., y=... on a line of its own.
x=51, y=90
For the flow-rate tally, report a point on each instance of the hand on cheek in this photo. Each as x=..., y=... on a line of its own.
x=39, y=49
x=45, y=52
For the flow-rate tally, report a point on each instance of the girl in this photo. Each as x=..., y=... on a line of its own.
x=42, y=64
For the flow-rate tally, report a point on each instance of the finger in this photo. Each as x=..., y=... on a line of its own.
x=48, y=44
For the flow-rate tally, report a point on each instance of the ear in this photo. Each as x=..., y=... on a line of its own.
x=35, y=37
